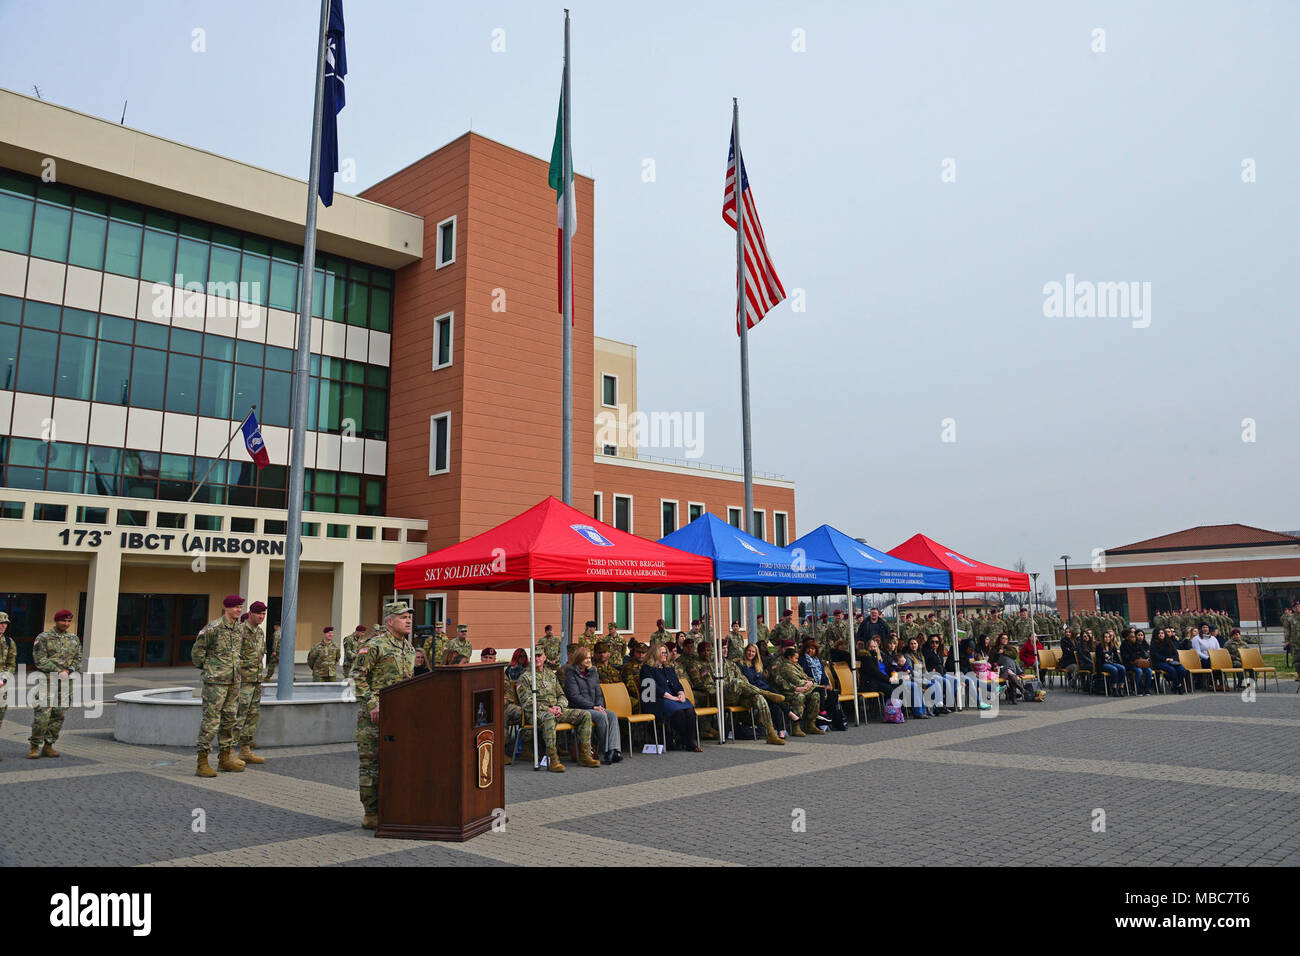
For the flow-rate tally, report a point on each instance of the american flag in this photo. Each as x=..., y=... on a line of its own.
x=763, y=289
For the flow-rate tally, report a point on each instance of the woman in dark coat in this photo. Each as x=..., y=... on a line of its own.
x=669, y=702
x=582, y=687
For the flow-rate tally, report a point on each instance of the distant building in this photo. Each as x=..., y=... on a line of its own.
x=1249, y=573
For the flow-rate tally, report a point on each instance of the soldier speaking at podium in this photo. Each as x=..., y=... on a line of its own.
x=388, y=657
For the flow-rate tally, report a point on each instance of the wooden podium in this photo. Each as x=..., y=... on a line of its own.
x=441, y=740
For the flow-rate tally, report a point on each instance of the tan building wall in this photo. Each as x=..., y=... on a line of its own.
x=615, y=425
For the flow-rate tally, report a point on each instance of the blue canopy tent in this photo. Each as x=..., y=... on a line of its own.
x=868, y=570
x=745, y=566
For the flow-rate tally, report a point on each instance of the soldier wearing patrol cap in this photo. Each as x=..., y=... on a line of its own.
x=323, y=658
x=8, y=661
x=460, y=643
x=660, y=636
x=250, y=682
x=385, y=659
x=218, y=652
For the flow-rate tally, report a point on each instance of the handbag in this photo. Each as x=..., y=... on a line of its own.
x=893, y=712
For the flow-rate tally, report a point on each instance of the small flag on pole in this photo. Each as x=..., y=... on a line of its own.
x=336, y=68
x=253, y=441
x=563, y=191
x=763, y=289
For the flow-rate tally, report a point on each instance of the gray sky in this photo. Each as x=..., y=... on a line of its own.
x=925, y=298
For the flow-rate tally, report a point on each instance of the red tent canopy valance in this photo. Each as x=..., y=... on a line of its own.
x=561, y=550
x=967, y=573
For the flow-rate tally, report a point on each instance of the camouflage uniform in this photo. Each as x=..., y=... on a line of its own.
x=835, y=631
x=786, y=676
x=53, y=652
x=1233, y=645
x=588, y=639
x=735, y=647
x=219, y=652
x=250, y=684
x=551, y=646
x=738, y=692
x=630, y=675
x=785, y=631
x=8, y=663
x=617, y=645
x=323, y=659
x=272, y=654
x=461, y=645
x=764, y=636
x=353, y=642
x=433, y=647
x=382, y=661
x=659, y=637
x=550, y=694
x=609, y=672
x=702, y=679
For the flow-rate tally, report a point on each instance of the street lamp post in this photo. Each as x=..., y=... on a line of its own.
x=1182, y=594
x=1196, y=594
x=1066, y=559
x=1033, y=597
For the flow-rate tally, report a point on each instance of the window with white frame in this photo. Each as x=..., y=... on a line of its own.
x=693, y=510
x=440, y=443
x=760, y=524
x=622, y=600
x=609, y=390
x=780, y=529
x=733, y=517
x=446, y=239
x=443, y=329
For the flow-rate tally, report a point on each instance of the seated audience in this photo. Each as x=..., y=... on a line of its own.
x=751, y=666
x=518, y=664
x=801, y=695
x=1136, y=658
x=813, y=665
x=582, y=687
x=1107, y=661
x=667, y=701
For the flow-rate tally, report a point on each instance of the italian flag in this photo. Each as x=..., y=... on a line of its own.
x=563, y=193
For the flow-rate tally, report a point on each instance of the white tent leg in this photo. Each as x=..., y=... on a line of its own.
x=956, y=657
x=532, y=662
x=717, y=668
x=853, y=662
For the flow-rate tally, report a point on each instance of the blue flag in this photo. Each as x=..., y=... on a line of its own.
x=253, y=441
x=336, y=68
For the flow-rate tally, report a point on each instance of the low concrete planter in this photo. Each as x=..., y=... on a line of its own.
x=320, y=713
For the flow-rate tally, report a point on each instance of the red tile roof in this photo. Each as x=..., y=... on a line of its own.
x=1209, y=536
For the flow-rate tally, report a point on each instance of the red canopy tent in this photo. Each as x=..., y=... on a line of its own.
x=556, y=549
x=559, y=550
x=967, y=575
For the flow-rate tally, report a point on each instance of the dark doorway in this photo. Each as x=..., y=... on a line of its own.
x=26, y=620
x=157, y=630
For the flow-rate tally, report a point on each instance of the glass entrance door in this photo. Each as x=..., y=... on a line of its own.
x=157, y=630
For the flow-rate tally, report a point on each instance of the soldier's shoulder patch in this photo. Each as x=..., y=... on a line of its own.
x=364, y=650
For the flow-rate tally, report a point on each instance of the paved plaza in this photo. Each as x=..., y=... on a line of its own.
x=1206, y=780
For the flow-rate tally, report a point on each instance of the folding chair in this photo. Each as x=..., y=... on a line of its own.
x=1192, y=661
x=1221, y=661
x=1253, y=661
x=700, y=712
x=618, y=703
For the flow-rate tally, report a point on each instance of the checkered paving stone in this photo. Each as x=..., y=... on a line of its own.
x=924, y=792
x=1136, y=739
x=903, y=813
x=128, y=818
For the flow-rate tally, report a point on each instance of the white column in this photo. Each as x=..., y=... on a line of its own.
x=255, y=579
x=345, y=613
x=101, y=610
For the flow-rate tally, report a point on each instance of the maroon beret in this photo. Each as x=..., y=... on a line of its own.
x=257, y=607
x=362, y=629
x=232, y=600
x=243, y=617
x=660, y=622
x=327, y=629
x=63, y=615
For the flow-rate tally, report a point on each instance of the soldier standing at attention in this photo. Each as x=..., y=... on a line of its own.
x=354, y=641
x=217, y=651
x=8, y=661
x=660, y=636
x=55, y=652
x=460, y=643
x=588, y=638
x=553, y=707
x=250, y=682
x=618, y=646
x=323, y=658
x=385, y=659
x=433, y=646
x=272, y=653
x=764, y=634
x=551, y=644
x=785, y=629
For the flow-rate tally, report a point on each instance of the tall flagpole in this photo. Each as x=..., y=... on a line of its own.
x=566, y=284
x=751, y=617
x=301, y=380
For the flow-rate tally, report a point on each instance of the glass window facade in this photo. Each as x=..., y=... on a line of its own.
x=86, y=229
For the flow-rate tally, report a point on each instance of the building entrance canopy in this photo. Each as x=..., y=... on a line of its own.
x=556, y=549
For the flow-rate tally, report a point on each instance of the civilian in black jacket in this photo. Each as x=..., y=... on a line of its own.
x=873, y=626
x=1164, y=658
x=669, y=701
x=1136, y=657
